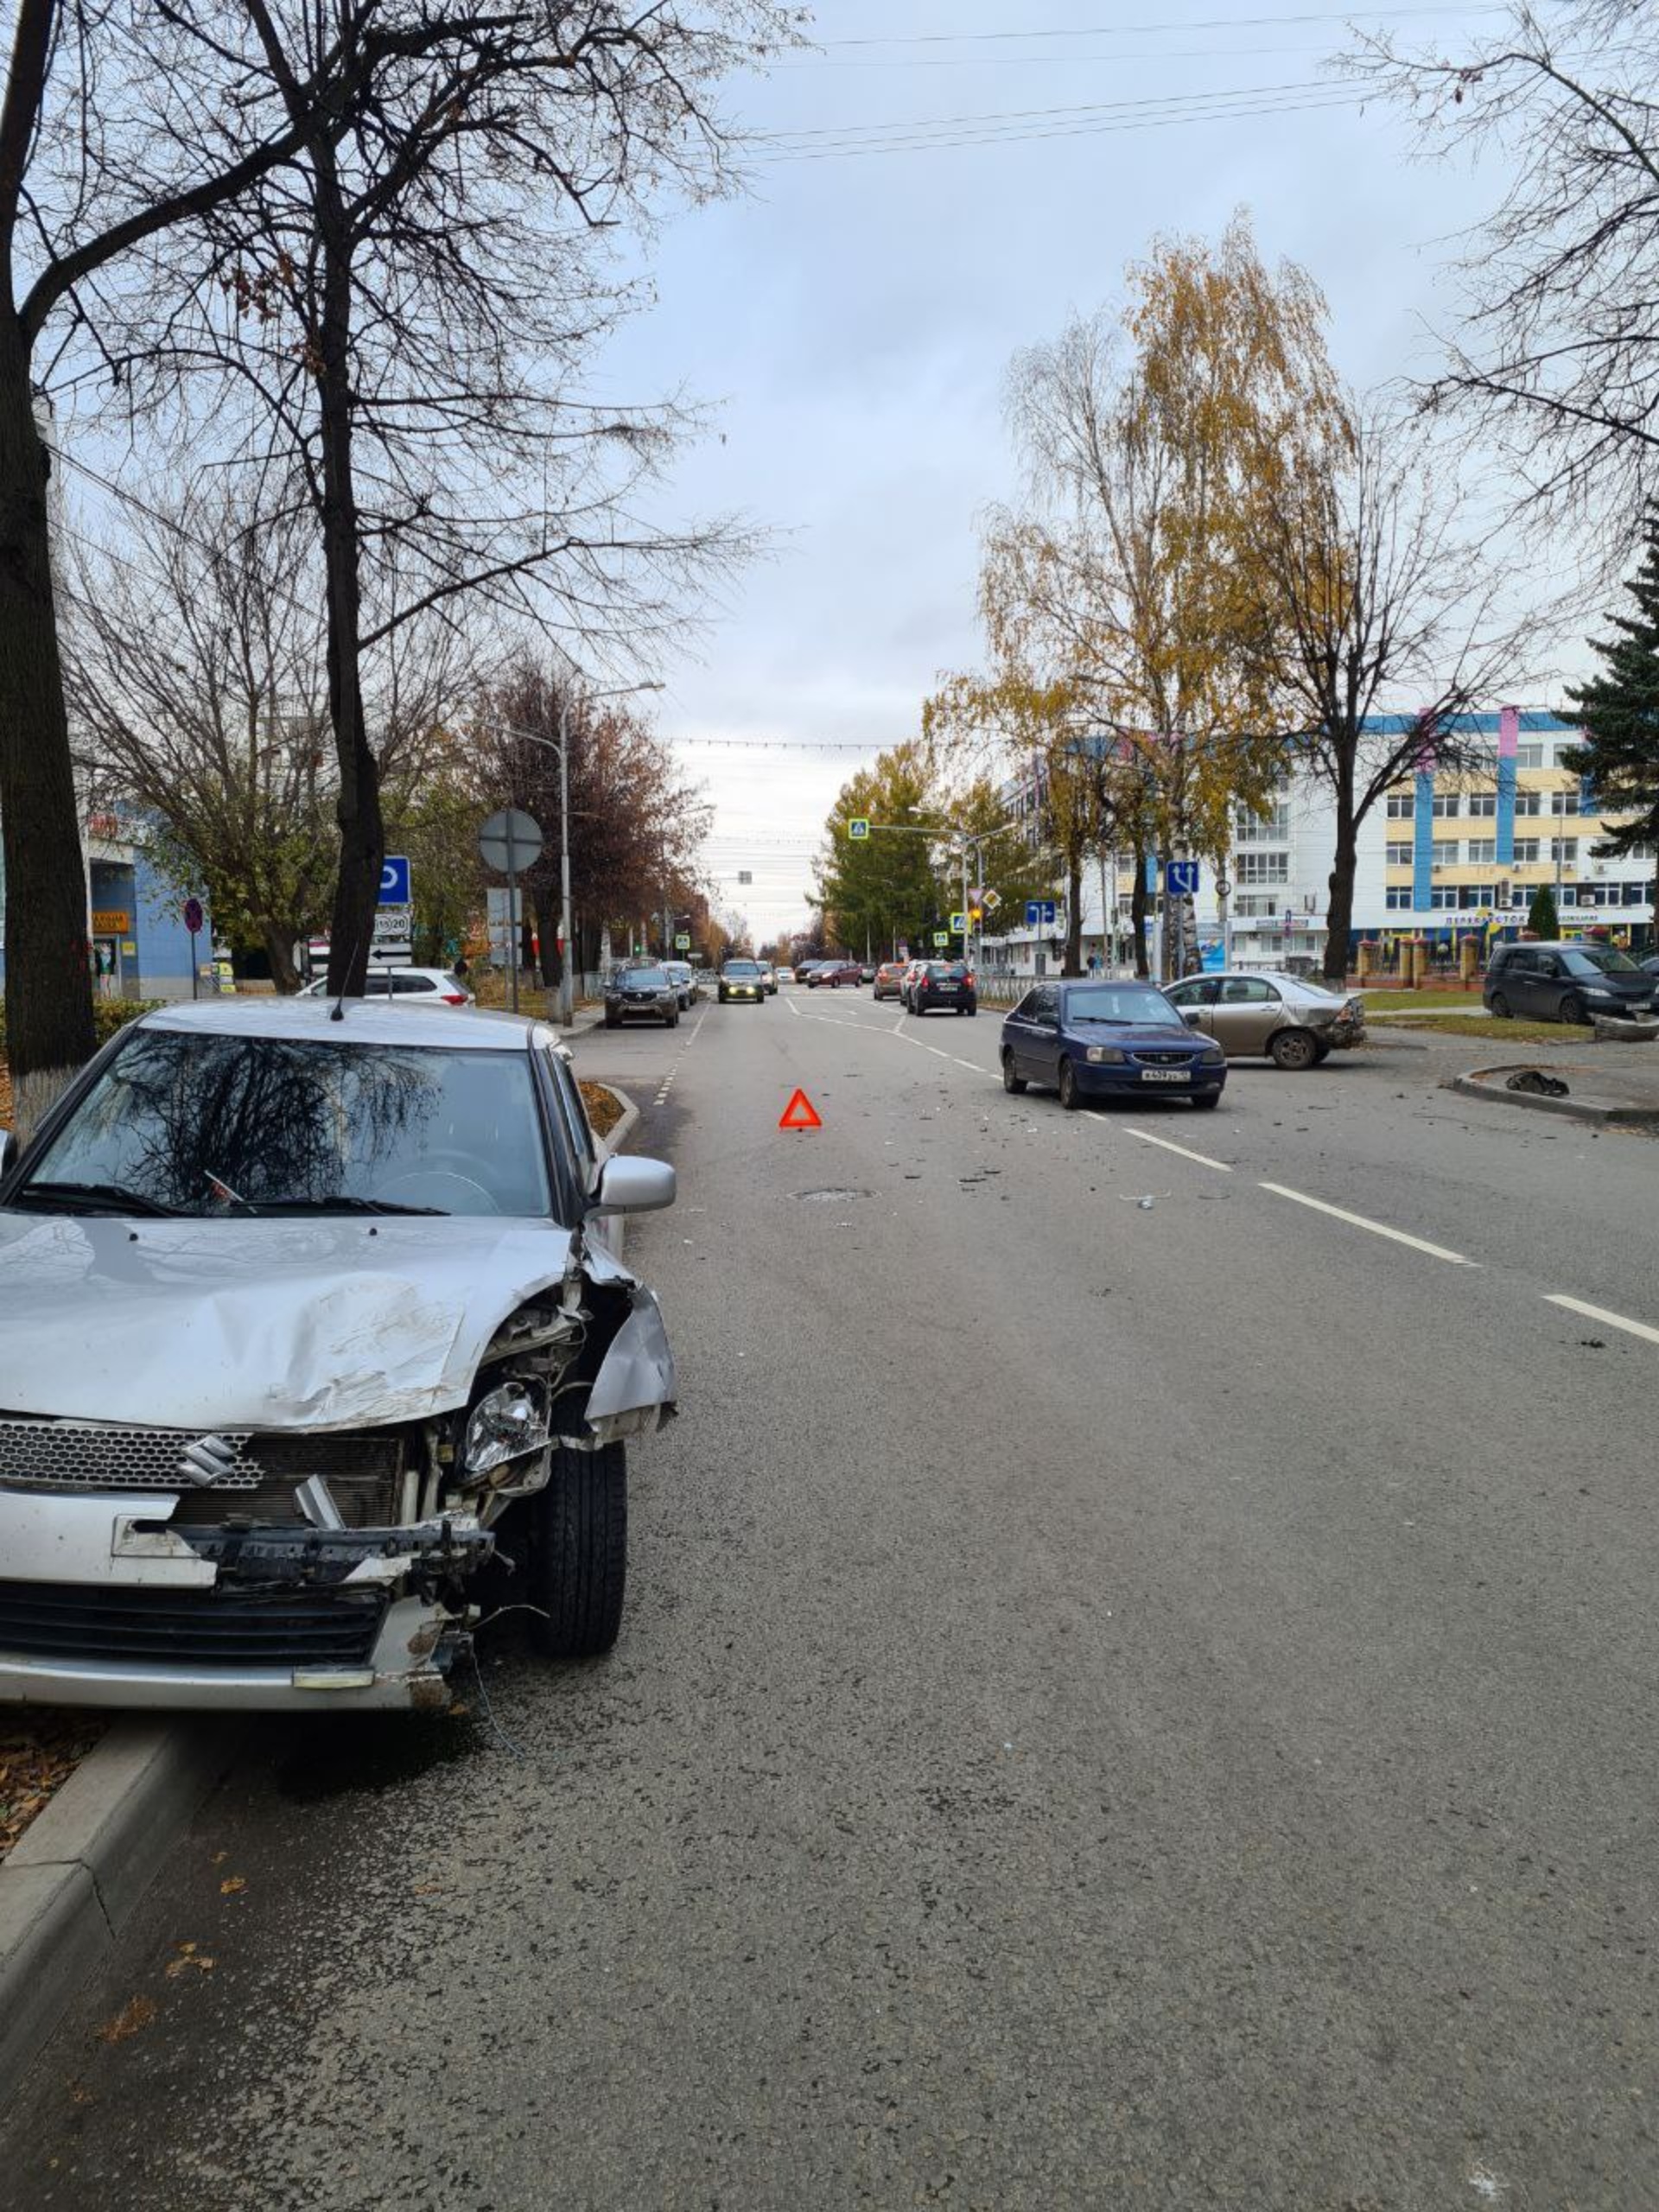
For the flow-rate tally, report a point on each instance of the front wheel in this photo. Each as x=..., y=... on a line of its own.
x=1071, y=1096
x=578, y=1552
x=1294, y=1050
x=1011, y=1081
x=1500, y=1006
x=1573, y=1009
x=1208, y=1099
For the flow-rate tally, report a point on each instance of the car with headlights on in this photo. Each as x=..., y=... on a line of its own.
x=312, y=1325
x=741, y=979
x=1291, y=1021
x=1107, y=1040
x=642, y=994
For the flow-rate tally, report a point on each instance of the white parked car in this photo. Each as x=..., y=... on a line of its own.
x=406, y=987
x=304, y=1316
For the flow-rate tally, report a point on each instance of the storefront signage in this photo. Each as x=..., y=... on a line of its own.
x=110, y=921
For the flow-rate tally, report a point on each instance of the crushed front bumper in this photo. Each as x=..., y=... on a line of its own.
x=105, y=1601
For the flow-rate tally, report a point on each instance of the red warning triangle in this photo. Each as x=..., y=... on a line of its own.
x=800, y=1114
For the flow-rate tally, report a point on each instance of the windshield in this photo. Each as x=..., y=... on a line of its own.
x=741, y=968
x=644, y=979
x=214, y=1125
x=1598, y=960
x=1121, y=1004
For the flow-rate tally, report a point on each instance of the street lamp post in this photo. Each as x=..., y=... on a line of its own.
x=561, y=745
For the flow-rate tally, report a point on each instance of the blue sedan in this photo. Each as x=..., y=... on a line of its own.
x=1107, y=1040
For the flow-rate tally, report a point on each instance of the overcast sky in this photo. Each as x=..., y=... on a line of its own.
x=854, y=315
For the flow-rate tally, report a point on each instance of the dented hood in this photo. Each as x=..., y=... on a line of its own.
x=241, y=1324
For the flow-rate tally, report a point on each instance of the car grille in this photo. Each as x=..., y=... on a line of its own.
x=364, y=1469
x=1157, y=1059
x=188, y=1628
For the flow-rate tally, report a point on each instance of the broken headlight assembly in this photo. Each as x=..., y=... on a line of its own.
x=505, y=1425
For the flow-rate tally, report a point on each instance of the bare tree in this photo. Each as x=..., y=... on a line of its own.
x=117, y=128
x=196, y=667
x=1558, y=359
x=408, y=306
x=1378, y=589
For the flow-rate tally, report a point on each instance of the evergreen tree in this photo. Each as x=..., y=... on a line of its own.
x=1542, y=918
x=1619, y=711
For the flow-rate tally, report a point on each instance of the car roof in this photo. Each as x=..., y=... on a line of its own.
x=363, y=1022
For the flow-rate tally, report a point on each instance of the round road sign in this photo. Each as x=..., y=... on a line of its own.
x=525, y=834
x=193, y=917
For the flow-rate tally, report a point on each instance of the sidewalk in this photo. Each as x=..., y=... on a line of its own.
x=1611, y=1084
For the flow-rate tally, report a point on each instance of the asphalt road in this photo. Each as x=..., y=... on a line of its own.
x=1121, y=1703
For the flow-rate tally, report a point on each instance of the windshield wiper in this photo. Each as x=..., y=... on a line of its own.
x=1106, y=1020
x=106, y=1196
x=341, y=1202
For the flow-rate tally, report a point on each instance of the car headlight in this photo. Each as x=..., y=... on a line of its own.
x=1098, y=1053
x=505, y=1425
x=1212, y=1052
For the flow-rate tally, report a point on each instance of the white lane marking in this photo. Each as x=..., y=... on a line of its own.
x=661, y=1099
x=1203, y=1159
x=1376, y=1228
x=1601, y=1314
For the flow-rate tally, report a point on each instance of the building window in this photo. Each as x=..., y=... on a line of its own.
x=1563, y=848
x=1397, y=899
x=1483, y=805
x=1529, y=802
x=1272, y=828
x=1482, y=894
x=1400, y=855
x=1482, y=849
x=1445, y=897
x=1263, y=868
x=1529, y=756
x=1526, y=850
x=1400, y=806
x=1564, y=802
x=1446, y=806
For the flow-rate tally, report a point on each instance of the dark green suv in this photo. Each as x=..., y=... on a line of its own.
x=1566, y=982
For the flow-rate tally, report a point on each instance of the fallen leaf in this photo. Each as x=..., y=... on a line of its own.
x=137, y=2012
x=232, y=1886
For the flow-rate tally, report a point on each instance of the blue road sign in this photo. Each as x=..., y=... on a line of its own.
x=1181, y=879
x=1041, y=913
x=394, y=880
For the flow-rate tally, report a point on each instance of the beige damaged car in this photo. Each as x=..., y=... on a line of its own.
x=1293, y=1023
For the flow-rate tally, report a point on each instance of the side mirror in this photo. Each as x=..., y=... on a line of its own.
x=1192, y=1020
x=9, y=1149
x=629, y=1185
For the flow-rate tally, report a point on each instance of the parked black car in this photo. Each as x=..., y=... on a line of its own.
x=1566, y=982
x=642, y=994
x=944, y=983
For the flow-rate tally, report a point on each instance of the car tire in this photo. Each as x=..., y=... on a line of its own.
x=1071, y=1096
x=1498, y=1006
x=1321, y=1053
x=1011, y=1082
x=578, y=1552
x=1571, y=1010
x=1294, y=1050
x=1208, y=1099
x=970, y=1011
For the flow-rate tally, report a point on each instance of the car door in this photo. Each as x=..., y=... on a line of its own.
x=1246, y=1012
x=1043, y=1037
x=1194, y=1001
x=1545, y=986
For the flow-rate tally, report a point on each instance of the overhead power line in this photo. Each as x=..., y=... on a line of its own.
x=1337, y=20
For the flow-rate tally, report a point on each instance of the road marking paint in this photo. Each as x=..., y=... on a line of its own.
x=1376, y=1228
x=1203, y=1158
x=1601, y=1314
x=974, y=1068
x=935, y=1050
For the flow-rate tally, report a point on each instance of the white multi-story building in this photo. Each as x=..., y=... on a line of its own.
x=1447, y=853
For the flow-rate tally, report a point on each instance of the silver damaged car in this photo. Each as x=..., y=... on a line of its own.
x=314, y=1345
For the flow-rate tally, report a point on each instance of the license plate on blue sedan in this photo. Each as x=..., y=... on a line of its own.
x=1166, y=1075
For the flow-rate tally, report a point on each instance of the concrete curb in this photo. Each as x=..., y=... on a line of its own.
x=1488, y=1082
x=81, y=1866
x=630, y=1120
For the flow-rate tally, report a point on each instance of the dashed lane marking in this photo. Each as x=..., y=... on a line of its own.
x=1601, y=1314
x=1376, y=1228
x=661, y=1099
x=1203, y=1159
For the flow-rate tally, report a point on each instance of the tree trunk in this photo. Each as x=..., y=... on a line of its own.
x=1072, y=964
x=1138, y=916
x=48, y=992
x=1339, y=916
x=279, y=941
x=362, y=830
